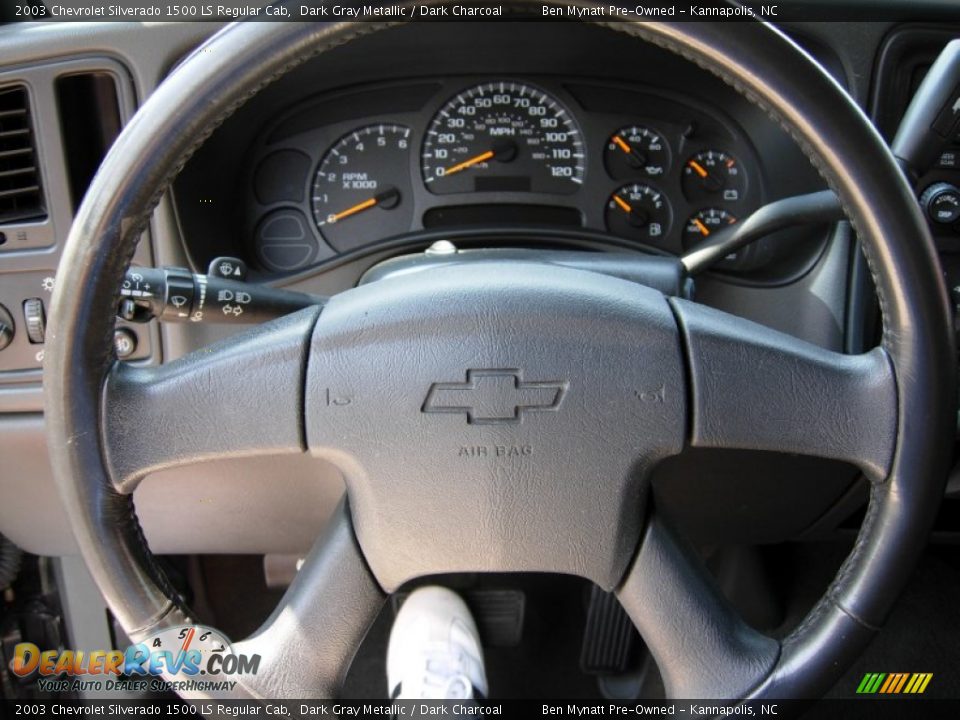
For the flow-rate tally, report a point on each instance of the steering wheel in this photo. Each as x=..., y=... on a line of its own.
x=514, y=410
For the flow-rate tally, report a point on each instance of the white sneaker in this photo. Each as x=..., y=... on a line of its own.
x=434, y=651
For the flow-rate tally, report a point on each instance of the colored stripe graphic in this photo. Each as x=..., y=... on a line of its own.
x=903, y=681
x=891, y=679
x=894, y=683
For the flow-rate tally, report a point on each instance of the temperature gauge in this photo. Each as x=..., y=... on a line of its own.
x=703, y=224
x=633, y=151
x=713, y=176
x=639, y=212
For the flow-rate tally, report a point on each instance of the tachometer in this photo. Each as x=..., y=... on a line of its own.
x=503, y=137
x=361, y=189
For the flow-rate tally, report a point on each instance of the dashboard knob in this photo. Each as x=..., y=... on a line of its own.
x=6, y=328
x=36, y=320
x=941, y=203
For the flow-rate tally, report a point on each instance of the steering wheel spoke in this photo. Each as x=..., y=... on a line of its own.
x=308, y=642
x=702, y=647
x=237, y=398
x=756, y=388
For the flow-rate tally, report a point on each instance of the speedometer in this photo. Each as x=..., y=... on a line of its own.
x=503, y=137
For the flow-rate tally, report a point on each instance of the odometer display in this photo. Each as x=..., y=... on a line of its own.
x=503, y=137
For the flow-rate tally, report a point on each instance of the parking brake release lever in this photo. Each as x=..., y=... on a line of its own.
x=173, y=294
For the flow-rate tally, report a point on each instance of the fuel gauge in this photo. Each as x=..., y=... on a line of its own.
x=713, y=176
x=639, y=212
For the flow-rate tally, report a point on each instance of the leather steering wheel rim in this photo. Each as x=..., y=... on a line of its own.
x=759, y=62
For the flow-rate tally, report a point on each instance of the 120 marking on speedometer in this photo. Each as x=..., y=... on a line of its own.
x=503, y=137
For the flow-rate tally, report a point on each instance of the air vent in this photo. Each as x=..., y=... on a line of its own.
x=20, y=194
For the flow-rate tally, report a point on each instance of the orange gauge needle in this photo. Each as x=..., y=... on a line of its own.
x=488, y=155
x=704, y=230
x=699, y=168
x=387, y=199
x=621, y=143
x=624, y=205
x=359, y=207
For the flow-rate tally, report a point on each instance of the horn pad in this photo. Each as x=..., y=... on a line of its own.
x=496, y=417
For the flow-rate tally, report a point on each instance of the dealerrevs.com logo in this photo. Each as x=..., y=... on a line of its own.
x=182, y=658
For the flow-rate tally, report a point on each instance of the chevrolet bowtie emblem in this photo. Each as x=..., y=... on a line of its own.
x=494, y=396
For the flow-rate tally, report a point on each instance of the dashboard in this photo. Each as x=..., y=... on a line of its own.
x=553, y=135
x=654, y=169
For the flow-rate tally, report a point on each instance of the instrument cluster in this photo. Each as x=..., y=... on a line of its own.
x=646, y=168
